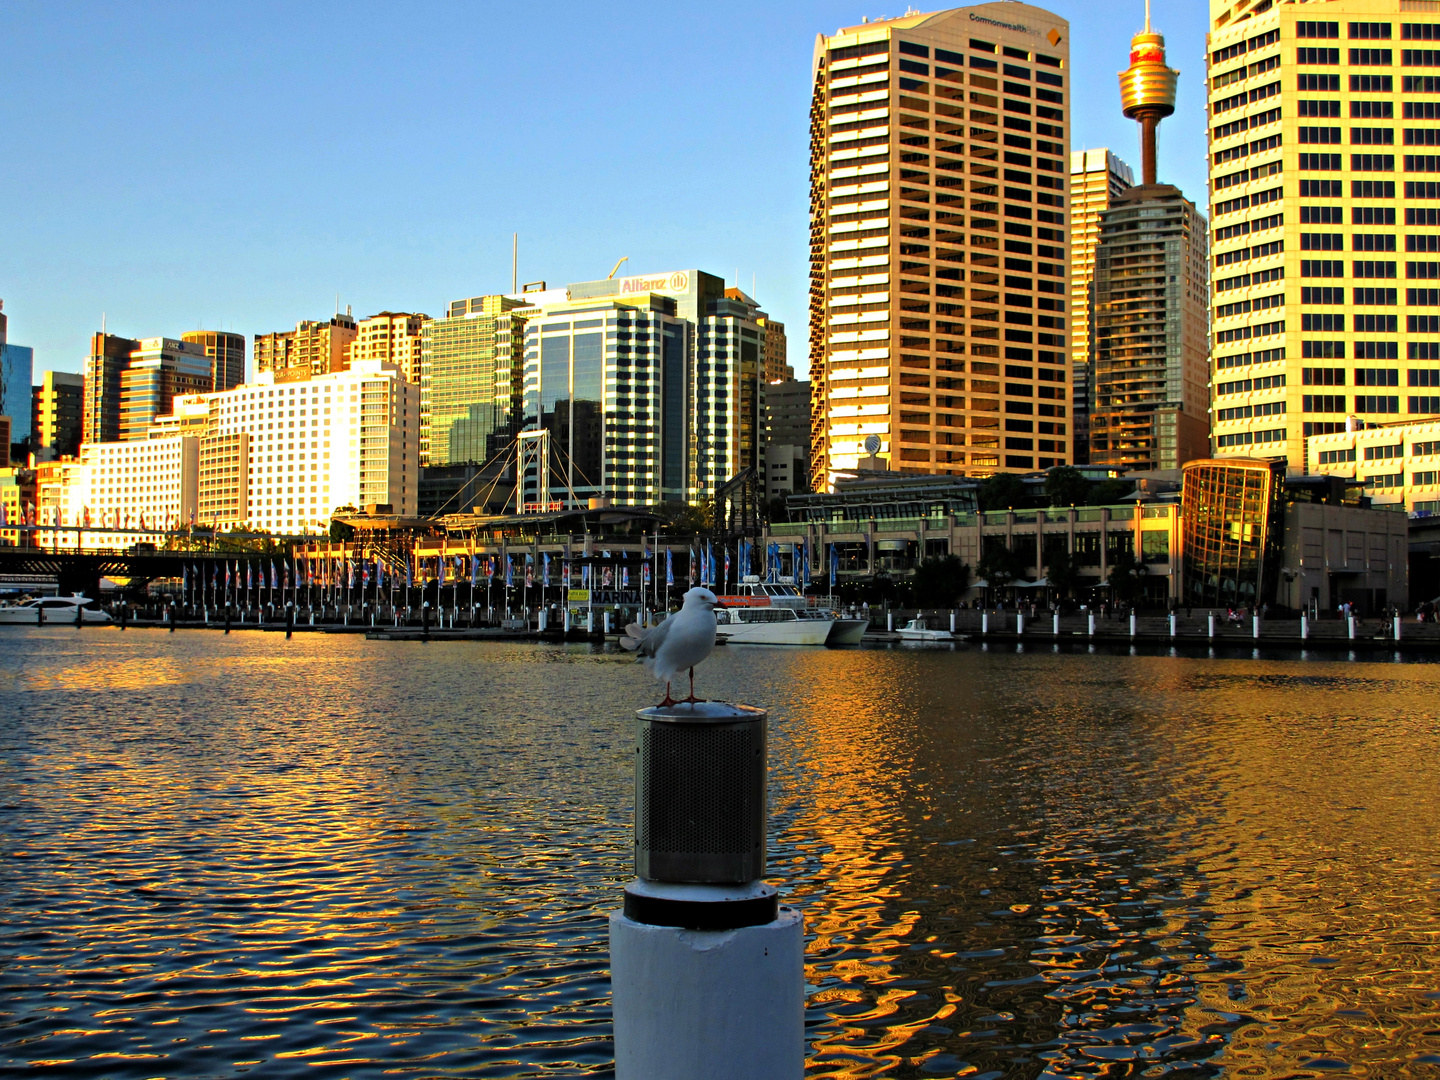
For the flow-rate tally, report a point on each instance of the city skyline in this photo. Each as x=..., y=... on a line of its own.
x=91, y=246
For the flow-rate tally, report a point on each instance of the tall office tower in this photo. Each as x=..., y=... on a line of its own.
x=1311, y=216
x=1149, y=399
x=774, y=359
x=470, y=380
x=109, y=356
x=787, y=438
x=651, y=388
x=938, y=243
x=57, y=415
x=1096, y=177
x=226, y=352
x=17, y=364
x=312, y=348
x=393, y=337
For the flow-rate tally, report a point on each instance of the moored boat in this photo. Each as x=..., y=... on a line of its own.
x=777, y=613
x=60, y=610
x=917, y=630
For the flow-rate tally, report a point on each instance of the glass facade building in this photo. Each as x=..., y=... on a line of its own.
x=1232, y=531
x=470, y=380
x=651, y=387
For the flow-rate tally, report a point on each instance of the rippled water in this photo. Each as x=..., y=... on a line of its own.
x=332, y=857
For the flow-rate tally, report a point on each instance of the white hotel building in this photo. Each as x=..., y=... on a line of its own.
x=266, y=456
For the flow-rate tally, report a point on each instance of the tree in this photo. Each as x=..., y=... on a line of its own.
x=999, y=566
x=940, y=580
x=1127, y=578
x=1109, y=492
x=339, y=531
x=1065, y=486
x=679, y=517
x=1003, y=491
x=1063, y=572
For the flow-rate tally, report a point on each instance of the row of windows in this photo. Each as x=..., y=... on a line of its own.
x=1359, y=84
x=1369, y=268
x=1370, y=31
x=1321, y=56
x=1422, y=163
x=1359, y=110
x=1370, y=242
x=1366, y=136
x=1369, y=403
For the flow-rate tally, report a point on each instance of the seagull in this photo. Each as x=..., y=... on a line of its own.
x=681, y=641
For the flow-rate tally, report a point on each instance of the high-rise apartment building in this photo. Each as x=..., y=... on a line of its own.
x=1096, y=177
x=270, y=456
x=470, y=380
x=312, y=348
x=128, y=383
x=651, y=388
x=1149, y=399
x=1326, y=217
x=392, y=337
x=787, y=438
x=775, y=359
x=939, y=251
x=226, y=352
x=57, y=414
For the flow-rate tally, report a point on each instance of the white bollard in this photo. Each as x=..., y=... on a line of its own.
x=890, y=621
x=1304, y=628
x=984, y=623
x=1019, y=622
x=1092, y=624
x=1132, y=624
x=1255, y=626
x=1210, y=619
x=607, y=622
x=589, y=622
x=567, y=620
x=952, y=622
x=1397, y=627
x=1350, y=622
x=544, y=621
x=1055, y=624
x=1172, y=624
x=708, y=1004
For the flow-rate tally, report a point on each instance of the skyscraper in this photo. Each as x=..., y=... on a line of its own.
x=226, y=352
x=939, y=252
x=17, y=362
x=470, y=380
x=1148, y=396
x=128, y=383
x=57, y=414
x=1096, y=177
x=1326, y=219
x=392, y=337
x=312, y=348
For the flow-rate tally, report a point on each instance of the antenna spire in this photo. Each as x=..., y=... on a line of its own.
x=1147, y=16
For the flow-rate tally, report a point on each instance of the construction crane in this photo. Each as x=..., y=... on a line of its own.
x=623, y=258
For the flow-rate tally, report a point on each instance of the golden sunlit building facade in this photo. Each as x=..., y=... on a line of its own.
x=1325, y=184
x=939, y=250
x=393, y=338
x=1096, y=178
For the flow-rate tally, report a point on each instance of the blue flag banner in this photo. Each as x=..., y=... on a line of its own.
x=834, y=564
x=669, y=567
x=509, y=572
x=545, y=572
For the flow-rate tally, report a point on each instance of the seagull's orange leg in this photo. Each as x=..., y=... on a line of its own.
x=692, y=697
x=668, y=699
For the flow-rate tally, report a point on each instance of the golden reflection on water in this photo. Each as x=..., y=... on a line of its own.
x=376, y=858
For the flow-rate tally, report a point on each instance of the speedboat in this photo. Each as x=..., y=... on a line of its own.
x=59, y=610
x=917, y=630
x=777, y=613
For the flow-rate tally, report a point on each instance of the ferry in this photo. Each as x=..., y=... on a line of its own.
x=779, y=614
x=59, y=610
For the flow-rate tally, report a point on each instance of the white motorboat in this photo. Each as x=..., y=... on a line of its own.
x=917, y=630
x=59, y=610
x=766, y=613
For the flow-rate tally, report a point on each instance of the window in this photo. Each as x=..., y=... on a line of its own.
x=1424, y=406
x=1337, y=457
x=1317, y=29
x=1377, y=110
x=1424, y=377
x=1370, y=189
x=1377, y=377
x=1321, y=215
x=1369, y=31
x=1326, y=323
x=1322, y=349
x=1423, y=324
x=1318, y=109
x=1422, y=269
x=1320, y=189
x=1370, y=58
x=1422, y=297
x=1320, y=162
x=1371, y=84
x=1420, y=31
x=1376, y=403
x=1313, y=135
x=1368, y=268
x=1319, y=294
x=1322, y=268
x=1372, y=215
x=1322, y=376
x=1322, y=403
x=1372, y=242
x=1375, y=324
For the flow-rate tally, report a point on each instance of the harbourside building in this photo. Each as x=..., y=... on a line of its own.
x=226, y=352
x=940, y=256
x=1096, y=178
x=1325, y=215
x=393, y=337
x=266, y=456
x=17, y=363
x=470, y=380
x=312, y=348
x=57, y=415
x=1396, y=466
x=641, y=390
x=130, y=382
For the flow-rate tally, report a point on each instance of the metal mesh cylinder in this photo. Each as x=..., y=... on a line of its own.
x=700, y=793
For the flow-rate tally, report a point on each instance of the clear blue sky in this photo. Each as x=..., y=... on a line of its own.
x=234, y=166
